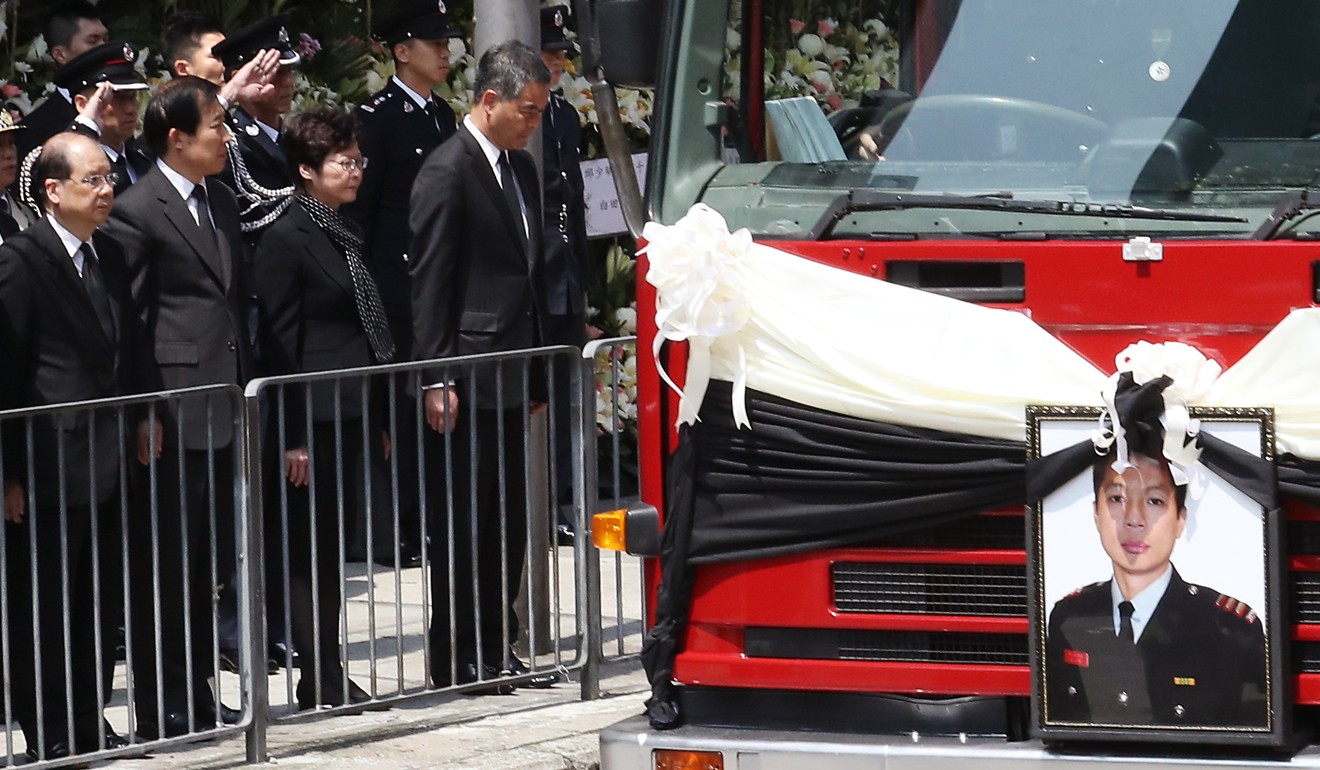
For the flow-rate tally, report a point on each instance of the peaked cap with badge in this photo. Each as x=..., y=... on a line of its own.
x=554, y=35
x=274, y=32
x=114, y=62
x=416, y=19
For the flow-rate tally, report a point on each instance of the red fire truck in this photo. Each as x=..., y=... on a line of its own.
x=1111, y=172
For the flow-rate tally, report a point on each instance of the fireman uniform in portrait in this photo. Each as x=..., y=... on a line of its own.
x=1198, y=661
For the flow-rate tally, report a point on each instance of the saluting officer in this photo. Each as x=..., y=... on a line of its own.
x=400, y=126
x=257, y=171
x=107, y=92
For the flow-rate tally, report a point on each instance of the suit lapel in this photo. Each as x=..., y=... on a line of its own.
x=178, y=215
x=65, y=282
x=490, y=185
x=322, y=251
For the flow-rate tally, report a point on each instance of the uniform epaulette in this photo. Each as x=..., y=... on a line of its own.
x=1077, y=591
x=1235, y=607
x=371, y=104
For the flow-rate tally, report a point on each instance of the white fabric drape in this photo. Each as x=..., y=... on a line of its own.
x=849, y=344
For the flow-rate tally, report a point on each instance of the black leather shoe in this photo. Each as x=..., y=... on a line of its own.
x=331, y=694
x=176, y=724
x=228, y=660
x=407, y=559
x=467, y=674
x=539, y=680
x=56, y=750
x=114, y=740
x=229, y=716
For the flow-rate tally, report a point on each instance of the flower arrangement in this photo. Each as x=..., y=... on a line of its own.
x=813, y=53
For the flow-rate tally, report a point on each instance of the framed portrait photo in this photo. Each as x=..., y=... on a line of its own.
x=1156, y=605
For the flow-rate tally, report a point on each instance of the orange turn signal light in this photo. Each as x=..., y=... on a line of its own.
x=609, y=530
x=675, y=759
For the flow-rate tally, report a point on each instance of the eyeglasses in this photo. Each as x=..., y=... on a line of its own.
x=351, y=164
x=95, y=181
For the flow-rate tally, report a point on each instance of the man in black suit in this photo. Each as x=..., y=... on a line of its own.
x=107, y=92
x=181, y=241
x=477, y=288
x=567, y=261
x=67, y=334
x=1146, y=647
x=73, y=28
x=400, y=126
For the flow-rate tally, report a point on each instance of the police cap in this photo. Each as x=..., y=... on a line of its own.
x=419, y=19
x=244, y=45
x=111, y=62
x=552, y=29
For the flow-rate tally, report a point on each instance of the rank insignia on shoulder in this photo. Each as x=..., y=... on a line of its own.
x=1077, y=658
x=1235, y=607
x=368, y=108
x=1184, y=681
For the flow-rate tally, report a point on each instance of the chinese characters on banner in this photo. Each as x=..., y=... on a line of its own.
x=604, y=215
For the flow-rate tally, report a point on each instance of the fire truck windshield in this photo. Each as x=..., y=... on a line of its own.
x=1209, y=108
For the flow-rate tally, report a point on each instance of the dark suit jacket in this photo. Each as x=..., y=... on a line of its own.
x=187, y=295
x=48, y=119
x=54, y=351
x=313, y=324
x=567, y=263
x=474, y=289
x=396, y=138
x=1199, y=662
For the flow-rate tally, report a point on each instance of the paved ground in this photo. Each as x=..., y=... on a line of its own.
x=530, y=729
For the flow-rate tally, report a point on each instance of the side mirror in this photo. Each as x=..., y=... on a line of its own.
x=630, y=33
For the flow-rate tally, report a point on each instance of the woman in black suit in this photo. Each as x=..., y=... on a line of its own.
x=324, y=312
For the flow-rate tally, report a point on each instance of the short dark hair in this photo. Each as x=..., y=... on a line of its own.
x=310, y=137
x=183, y=34
x=507, y=68
x=52, y=163
x=63, y=24
x=1102, y=464
x=178, y=104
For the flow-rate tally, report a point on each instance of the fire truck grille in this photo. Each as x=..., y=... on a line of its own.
x=1306, y=597
x=1303, y=537
x=930, y=589
x=995, y=532
x=1306, y=657
x=886, y=646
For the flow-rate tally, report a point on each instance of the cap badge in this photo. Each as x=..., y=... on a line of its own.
x=559, y=18
x=440, y=6
x=129, y=53
x=284, y=36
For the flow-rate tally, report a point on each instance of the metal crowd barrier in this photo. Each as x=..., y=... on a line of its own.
x=417, y=636
x=613, y=483
x=397, y=631
x=96, y=543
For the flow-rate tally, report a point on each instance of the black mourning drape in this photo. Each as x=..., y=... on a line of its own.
x=802, y=479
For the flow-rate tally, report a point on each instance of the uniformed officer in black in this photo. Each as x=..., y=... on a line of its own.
x=567, y=262
x=1146, y=647
x=257, y=171
x=400, y=126
x=106, y=90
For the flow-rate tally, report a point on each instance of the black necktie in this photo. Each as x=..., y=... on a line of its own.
x=120, y=166
x=1125, y=610
x=204, y=214
x=511, y=198
x=8, y=225
x=433, y=111
x=95, y=286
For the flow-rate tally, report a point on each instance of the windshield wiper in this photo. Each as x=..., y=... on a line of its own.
x=1287, y=210
x=875, y=200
